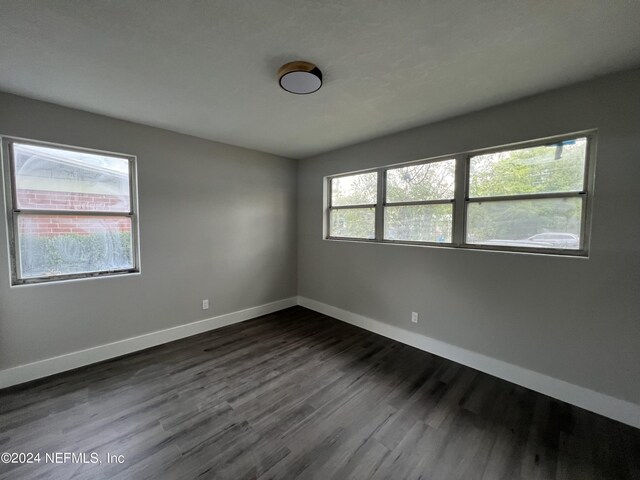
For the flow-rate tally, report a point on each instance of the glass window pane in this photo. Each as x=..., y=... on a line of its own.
x=428, y=181
x=66, y=244
x=57, y=179
x=540, y=223
x=542, y=169
x=419, y=223
x=353, y=223
x=361, y=189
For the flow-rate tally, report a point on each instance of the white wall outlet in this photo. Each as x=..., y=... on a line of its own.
x=205, y=304
x=414, y=317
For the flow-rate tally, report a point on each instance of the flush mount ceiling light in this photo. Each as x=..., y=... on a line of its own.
x=300, y=77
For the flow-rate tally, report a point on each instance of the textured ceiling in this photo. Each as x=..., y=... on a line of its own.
x=208, y=68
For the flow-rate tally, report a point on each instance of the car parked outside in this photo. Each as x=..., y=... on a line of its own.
x=556, y=239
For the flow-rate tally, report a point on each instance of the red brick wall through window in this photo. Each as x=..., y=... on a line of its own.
x=42, y=225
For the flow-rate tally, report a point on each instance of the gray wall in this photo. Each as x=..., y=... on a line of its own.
x=574, y=319
x=216, y=222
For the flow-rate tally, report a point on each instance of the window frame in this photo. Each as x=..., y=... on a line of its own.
x=331, y=207
x=12, y=213
x=462, y=199
x=448, y=201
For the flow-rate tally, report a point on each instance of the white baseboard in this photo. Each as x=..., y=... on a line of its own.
x=80, y=358
x=620, y=410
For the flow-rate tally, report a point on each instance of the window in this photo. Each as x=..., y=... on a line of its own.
x=71, y=212
x=529, y=197
x=533, y=197
x=352, y=206
x=419, y=202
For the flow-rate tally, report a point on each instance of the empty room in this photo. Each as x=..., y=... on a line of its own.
x=296, y=239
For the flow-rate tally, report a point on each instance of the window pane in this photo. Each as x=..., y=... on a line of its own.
x=543, y=223
x=428, y=181
x=56, y=179
x=353, y=223
x=361, y=189
x=419, y=223
x=67, y=244
x=543, y=169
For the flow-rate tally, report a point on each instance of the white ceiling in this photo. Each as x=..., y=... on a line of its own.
x=207, y=68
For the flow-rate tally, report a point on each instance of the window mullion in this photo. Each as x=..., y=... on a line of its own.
x=460, y=196
x=351, y=207
x=418, y=203
x=74, y=213
x=528, y=196
x=16, y=265
x=380, y=202
x=328, y=205
x=588, y=187
x=9, y=189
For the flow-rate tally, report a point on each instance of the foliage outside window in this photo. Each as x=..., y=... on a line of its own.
x=419, y=203
x=353, y=200
x=531, y=197
x=71, y=212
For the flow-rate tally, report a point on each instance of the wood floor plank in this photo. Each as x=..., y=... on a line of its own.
x=298, y=395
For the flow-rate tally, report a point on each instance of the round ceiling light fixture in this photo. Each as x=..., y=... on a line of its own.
x=300, y=77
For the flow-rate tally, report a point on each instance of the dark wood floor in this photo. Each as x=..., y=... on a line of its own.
x=299, y=395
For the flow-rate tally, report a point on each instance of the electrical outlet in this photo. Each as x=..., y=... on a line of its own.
x=414, y=317
x=205, y=304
